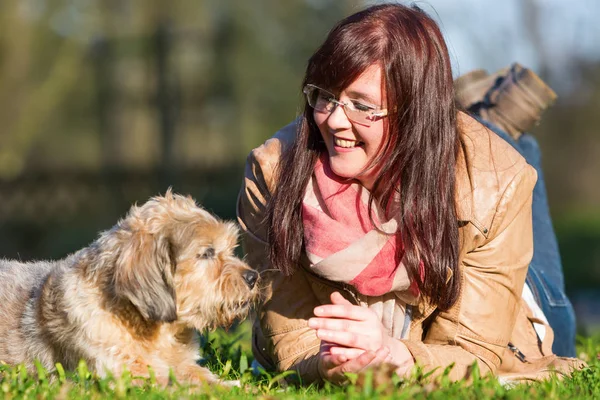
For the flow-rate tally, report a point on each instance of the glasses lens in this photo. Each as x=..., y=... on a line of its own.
x=359, y=112
x=318, y=99
x=358, y=116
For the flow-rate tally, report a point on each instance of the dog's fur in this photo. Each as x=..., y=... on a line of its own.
x=134, y=298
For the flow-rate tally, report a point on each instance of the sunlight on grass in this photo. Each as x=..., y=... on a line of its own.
x=229, y=355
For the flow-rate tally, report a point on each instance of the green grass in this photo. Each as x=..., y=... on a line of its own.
x=228, y=354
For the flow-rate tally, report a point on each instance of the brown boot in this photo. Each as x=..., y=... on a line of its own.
x=512, y=99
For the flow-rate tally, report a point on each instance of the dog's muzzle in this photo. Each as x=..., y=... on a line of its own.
x=250, y=278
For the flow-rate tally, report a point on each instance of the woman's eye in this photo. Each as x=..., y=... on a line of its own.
x=207, y=254
x=361, y=106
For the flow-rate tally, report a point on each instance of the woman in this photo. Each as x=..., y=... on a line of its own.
x=394, y=228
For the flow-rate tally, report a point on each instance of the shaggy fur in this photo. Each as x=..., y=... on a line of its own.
x=134, y=298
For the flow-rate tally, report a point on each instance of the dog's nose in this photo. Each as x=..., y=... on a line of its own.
x=250, y=277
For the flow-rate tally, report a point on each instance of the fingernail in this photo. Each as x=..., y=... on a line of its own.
x=312, y=323
x=318, y=311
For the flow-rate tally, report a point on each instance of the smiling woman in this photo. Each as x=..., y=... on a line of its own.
x=353, y=140
x=390, y=226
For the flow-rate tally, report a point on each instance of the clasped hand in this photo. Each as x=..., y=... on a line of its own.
x=352, y=339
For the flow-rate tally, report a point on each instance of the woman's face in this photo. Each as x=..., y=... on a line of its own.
x=352, y=146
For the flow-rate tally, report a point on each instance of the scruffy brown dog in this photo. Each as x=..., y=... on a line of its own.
x=134, y=298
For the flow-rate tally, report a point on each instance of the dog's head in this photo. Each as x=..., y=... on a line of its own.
x=175, y=261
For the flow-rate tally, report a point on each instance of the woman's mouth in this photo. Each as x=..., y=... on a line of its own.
x=346, y=144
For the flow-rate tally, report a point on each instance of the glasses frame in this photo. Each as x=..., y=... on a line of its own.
x=376, y=113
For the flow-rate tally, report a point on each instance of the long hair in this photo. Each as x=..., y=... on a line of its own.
x=418, y=154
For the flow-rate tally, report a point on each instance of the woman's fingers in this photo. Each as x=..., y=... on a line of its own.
x=356, y=364
x=342, y=308
x=381, y=356
x=349, y=353
x=347, y=311
x=366, y=359
x=334, y=324
x=347, y=339
x=331, y=361
x=337, y=298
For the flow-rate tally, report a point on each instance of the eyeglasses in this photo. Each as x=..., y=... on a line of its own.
x=356, y=111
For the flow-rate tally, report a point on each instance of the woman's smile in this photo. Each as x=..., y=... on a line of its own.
x=342, y=145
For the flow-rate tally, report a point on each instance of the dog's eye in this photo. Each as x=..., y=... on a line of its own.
x=208, y=254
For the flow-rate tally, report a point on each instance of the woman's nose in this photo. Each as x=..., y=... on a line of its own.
x=338, y=119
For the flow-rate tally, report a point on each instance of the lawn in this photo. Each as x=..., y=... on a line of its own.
x=228, y=354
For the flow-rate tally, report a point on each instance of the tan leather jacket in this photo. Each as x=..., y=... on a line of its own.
x=493, y=198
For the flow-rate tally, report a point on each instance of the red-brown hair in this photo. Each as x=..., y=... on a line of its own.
x=419, y=150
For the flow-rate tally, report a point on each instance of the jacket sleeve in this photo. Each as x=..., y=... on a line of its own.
x=478, y=327
x=282, y=338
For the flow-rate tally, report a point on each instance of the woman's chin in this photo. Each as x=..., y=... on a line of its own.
x=344, y=172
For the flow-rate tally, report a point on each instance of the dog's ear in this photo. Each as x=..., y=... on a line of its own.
x=144, y=275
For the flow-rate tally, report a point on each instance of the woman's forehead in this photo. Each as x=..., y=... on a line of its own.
x=367, y=85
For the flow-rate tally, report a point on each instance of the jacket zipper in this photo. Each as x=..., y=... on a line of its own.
x=517, y=352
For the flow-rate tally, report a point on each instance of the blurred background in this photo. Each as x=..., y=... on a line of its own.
x=104, y=103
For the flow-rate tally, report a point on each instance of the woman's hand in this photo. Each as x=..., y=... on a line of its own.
x=333, y=367
x=352, y=332
x=356, y=329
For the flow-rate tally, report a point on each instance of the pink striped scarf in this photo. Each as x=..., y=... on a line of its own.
x=341, y=242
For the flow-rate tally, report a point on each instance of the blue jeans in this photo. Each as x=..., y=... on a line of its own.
x=545, y=274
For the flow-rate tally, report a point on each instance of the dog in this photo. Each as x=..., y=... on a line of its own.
x=135, y=298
